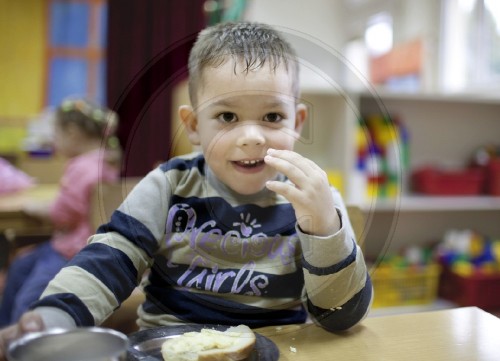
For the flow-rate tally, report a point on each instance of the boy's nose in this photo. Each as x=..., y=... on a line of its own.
x=250, y=134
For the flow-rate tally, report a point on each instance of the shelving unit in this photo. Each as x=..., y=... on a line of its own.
x=418, y=203
x=397, y=310
x=444, y=130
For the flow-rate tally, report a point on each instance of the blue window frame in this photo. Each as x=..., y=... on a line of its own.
x=71, y=78
x=76, y=50
x=69, y=24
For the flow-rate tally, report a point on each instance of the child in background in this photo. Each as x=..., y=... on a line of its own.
x=81, y=129
x=13, y=179
x=247, y=231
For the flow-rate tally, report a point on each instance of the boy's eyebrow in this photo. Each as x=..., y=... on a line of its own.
x=223, y=103
x=271, y=103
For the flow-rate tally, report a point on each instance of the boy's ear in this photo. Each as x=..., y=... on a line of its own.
x=190, y=121
x=300, y=117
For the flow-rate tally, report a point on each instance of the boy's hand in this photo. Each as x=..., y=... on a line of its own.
x=29, y=322
x=311, y=197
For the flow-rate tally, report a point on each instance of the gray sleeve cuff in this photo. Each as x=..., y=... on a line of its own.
x=55, y=318
x=325, y=251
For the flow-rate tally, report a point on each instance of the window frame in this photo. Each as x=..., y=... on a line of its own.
x=473, y=72
x=94, y=53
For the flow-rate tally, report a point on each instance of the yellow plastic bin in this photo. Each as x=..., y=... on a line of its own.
x=405, y=286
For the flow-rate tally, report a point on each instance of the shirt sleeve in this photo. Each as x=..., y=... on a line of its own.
x=338, y=289
x=55, y=318
x=113, y=263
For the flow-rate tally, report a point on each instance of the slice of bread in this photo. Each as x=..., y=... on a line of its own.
x=236, y=343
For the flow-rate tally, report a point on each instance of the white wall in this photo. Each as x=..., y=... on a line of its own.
x=320, y=19
x=316, y=30
x=332, y=23
x=411, y=18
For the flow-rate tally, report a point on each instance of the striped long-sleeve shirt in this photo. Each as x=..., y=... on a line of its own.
x=213, y=256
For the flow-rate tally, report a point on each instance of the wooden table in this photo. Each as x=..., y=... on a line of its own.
x=11, y=208
x=16, y=227
x=467, y=334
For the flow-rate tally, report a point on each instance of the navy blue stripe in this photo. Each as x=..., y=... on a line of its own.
x=110, y=266
x=273, y=220
x=184, y=164
x=131, y=229
x=202, y=308
x=323, y=271
x=227, y=280
x=71, y=304
x=351, y=312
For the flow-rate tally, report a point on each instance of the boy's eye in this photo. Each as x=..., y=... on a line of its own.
x=227, y=117
x=273, y=117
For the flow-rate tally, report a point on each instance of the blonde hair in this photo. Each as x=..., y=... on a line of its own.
x=252, y=43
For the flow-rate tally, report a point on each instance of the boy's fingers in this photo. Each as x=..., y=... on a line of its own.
x=297, y=168
x=302, y=172
x=304, y=164
x=285, y=167
x=31, y=322
x=291, y=164
x=6, y=336
x=286, y=190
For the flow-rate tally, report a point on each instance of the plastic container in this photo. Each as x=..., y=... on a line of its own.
x=405, y=286
x=480, y=290
x=493, y=177
x=432, y=181
x=80, y=344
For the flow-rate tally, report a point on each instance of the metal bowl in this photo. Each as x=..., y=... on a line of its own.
x=80, y=344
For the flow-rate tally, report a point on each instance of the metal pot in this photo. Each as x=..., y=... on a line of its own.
x=80, y=344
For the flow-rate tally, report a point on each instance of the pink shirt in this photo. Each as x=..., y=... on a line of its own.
x=70, y=211
x=13, y=179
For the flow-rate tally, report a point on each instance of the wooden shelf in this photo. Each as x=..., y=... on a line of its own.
x=445, y=130
x=435, y=204
x=438, y=304
x=462, y=97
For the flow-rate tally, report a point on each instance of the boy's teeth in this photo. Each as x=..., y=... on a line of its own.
x=249, y=162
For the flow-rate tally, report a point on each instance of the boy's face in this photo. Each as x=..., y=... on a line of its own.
x=239, y=116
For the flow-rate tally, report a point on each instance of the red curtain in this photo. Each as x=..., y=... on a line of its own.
x=148, y=47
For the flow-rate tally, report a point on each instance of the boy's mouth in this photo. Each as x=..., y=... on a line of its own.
x=252, y=163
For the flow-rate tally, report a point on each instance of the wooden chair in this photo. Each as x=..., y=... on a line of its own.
x=357, y=218
x=14, y=243
x=18, y=231
x=105, y=199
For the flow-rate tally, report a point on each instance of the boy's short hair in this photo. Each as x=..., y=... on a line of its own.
x=252, y=43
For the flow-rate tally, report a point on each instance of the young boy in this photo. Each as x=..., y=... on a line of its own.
x=247, y=231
